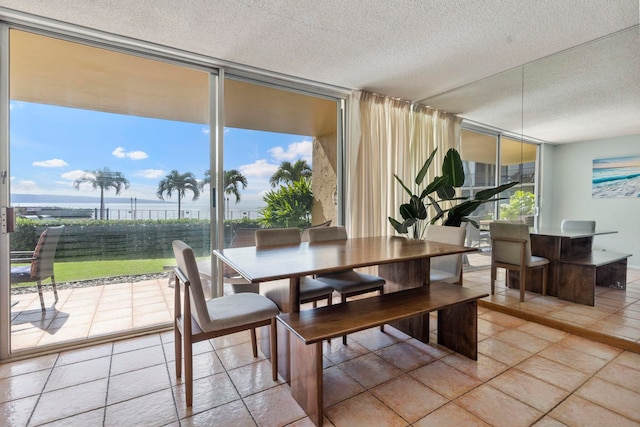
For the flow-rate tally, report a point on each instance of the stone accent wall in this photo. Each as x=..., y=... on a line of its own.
x=324, y=181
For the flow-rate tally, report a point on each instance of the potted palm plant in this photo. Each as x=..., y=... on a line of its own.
x=415, y=213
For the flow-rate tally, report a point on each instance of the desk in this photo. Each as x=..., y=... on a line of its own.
x=403, y=262
x=556, y=245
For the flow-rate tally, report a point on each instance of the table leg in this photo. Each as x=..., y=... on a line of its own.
x=458, y=328
x=287, y=298
x=405, y=275
x=306, y=378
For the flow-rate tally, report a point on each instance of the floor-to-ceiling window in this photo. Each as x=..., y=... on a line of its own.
x=114, y=147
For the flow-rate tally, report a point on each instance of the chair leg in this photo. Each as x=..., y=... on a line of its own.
x=493, y=279
x=177, y=341
x=523, y=282
x=343, y=299
x=55, y=290
x=41, y=297
x=381, y=292
x=254, y=342
x=188, y=370
x=274, y=349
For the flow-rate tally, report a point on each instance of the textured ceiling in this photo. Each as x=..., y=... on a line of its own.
x=409, y=49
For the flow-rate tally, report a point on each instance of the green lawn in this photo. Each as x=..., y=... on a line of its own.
x=74, y=271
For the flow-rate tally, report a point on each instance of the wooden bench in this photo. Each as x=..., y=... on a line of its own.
x=457, y=330
x=581, y=274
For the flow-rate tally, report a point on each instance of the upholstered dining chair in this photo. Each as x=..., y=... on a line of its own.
x=347, y=283
x=446, y=268
x=511, y=250
x=311, y=290
x=40, y=262
x=198, y=319
x=568, y=225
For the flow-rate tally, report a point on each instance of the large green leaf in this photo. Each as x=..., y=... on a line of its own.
x=446, y=192
x=452, y=167
x=403, y=186
x=437, y=183
x=425, y=167
x=490, y=192
x=398, y=226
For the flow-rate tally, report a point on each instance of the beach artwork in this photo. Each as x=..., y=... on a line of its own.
x=616, y=177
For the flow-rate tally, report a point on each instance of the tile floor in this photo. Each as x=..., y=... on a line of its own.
x=526, y=373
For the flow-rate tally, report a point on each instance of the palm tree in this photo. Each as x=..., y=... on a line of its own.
x=232, y=180
x=289, y=173
x=179, y=183
x=103, y=179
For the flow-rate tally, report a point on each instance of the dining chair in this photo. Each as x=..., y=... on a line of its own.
x=347, y=283
x=311, y=290
x=40, y=262
x=305, y=233
x=243, y=237
x=446, y=268
x=511, y=250
x=577, y=225
x=198, y=319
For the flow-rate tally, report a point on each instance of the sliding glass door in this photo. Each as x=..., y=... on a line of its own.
x=114, y=147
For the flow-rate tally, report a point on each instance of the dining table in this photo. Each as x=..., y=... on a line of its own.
x=403, y=262
x=556, y=245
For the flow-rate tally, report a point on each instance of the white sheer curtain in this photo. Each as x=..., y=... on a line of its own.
x=386, y=136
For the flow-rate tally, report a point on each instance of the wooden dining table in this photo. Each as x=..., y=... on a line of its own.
x=403, y=262
x=555, y=245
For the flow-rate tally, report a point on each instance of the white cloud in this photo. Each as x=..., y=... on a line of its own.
x=297, y=150
x=206, y=130
x=53, y=163
x=121, y=153
x=260, y=168
x=26, y=186
x=150, y=173
x=73, y=175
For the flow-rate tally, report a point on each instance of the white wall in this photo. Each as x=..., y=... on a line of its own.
x=566, y=193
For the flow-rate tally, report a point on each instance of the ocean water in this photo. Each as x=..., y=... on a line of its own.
x=124, y=211
x=616, y=182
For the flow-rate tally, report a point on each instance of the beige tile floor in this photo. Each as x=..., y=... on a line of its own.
x=526, y=373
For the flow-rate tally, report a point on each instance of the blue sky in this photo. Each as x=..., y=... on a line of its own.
x=51, y=147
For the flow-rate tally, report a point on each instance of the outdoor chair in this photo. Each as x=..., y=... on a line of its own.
x=347, y=283
x=311, y=290
x=198, y=319
x=511, y=250
x=446, y=268
x=40, y=262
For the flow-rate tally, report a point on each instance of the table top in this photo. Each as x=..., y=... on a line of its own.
x=279, y=262
x=573, y=234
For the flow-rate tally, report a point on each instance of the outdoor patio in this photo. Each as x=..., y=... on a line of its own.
x=91, y=312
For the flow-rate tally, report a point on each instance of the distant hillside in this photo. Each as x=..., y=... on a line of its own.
x=17, y=199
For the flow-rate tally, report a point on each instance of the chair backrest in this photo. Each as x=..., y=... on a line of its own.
x=44, y=253
x=577, y=225
x=186, y=261
x=509, y=252
x=305, y=232
x=277, y=237
x=243, y=237
x=445, y=234
x=323, y=234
